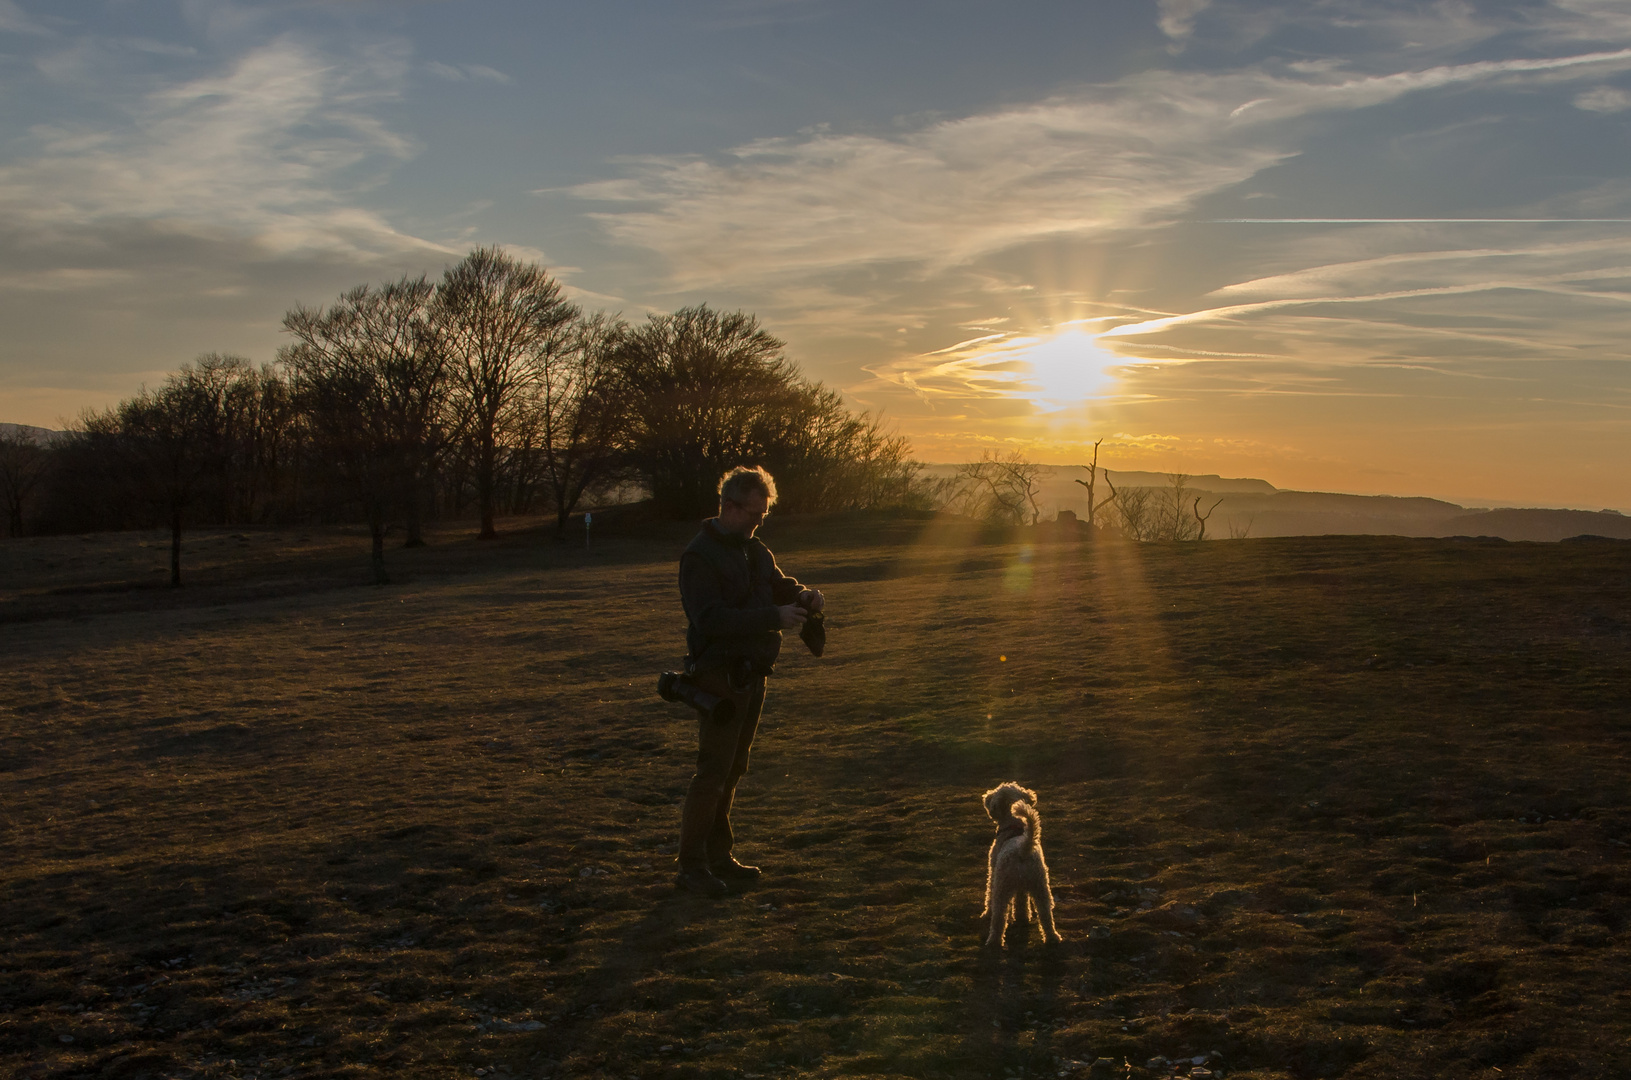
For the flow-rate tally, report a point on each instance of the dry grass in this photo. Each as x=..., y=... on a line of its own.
x=1325, y=807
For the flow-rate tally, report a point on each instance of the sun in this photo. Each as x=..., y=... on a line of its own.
x=1065, y=370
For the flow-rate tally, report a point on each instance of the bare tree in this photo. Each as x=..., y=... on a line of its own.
x=1141, y=513
x=1135, y=514
x=1005, y=486
x=581, y=408
x=267, y=448
x=24, y=461
x=833, y=459
x=518, y=480
x=1173, y=521
x=877, y=468
x=371, y=375
x=496, y=314
x=1091, y=482
x=255, y=414
x=1167, y=513
x=706, y=391
x=171, y=443
x=1203, y=519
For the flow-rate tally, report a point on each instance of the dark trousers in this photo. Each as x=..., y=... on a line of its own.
x=722, y=759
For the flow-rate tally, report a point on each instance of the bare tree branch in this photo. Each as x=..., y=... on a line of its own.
x=1201, y=519
x=496, y=314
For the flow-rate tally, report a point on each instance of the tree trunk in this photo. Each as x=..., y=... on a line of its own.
x=563, y=507
x=415, y=530
x=485, y=482
x=377, y=529
x=175, y=546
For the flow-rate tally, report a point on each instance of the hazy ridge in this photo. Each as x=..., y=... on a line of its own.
x=1251, y=507
x=43, y=436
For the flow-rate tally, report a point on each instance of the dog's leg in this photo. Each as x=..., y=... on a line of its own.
x=1022, y=915
x=1044, y=911
x=998, y=909
x=990, y=879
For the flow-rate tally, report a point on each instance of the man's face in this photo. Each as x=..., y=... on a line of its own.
x=744, y=517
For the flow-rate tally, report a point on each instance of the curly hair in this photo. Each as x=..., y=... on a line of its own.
x=743, y=480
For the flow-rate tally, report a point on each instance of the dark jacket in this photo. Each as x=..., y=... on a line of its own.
x=731, y=587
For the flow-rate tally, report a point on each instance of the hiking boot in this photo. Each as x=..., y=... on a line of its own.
x=701, y=883
x=731, y=870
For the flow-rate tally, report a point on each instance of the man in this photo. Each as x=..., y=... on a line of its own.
x=738, y=602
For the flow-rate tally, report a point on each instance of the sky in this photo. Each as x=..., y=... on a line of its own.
x=1346, y=245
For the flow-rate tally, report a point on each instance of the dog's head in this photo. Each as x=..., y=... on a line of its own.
x=1000, y=799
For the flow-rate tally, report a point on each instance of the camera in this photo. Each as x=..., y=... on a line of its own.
x=675, y=686
x=814, y=632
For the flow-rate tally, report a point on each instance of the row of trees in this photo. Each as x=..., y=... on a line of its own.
x=484, y=393
x=1172, y=512
x=1007, y=489
x=489, y=393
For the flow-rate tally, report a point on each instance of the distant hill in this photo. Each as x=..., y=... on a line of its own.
x=43, y=436
x=1061, y=491
x=1251, y=507
x=1545, y=525
x=1316, y=513
x=1207, y=482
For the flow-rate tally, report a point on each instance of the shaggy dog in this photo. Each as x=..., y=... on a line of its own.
x=1017, y=877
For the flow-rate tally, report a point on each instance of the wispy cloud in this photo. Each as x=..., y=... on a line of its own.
x=467, y=73
x=1603, y=99
x=932, y=199
x=14, y=20
x=1177, y=17
x=275, y=146
x=1426, y=307
x=1119, y=157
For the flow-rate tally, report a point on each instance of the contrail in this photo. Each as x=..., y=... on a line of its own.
x=1415, y=221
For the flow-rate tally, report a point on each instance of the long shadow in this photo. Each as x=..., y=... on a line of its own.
x=1015, y=997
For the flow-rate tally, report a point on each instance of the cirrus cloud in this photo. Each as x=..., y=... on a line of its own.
x=1124, y=156
x=276, y=147
x=1603, y=99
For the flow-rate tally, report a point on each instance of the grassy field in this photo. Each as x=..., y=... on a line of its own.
x=1317, y=807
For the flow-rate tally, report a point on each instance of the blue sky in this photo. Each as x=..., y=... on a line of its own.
x=1349, y=245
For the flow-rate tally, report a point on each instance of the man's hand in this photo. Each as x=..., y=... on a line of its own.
x=812, y=600
x=792, y=616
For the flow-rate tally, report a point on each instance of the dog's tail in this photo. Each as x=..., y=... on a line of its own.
x=1033, y=823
